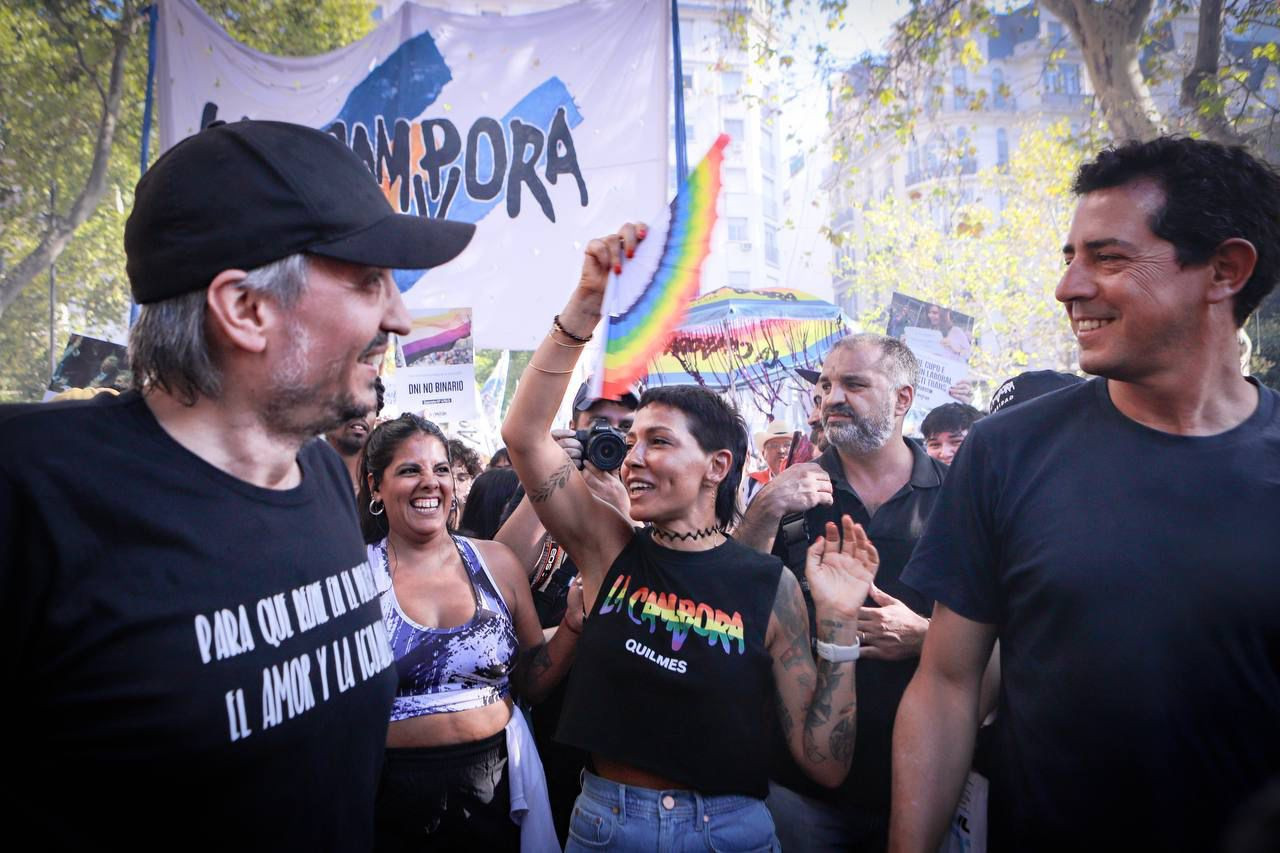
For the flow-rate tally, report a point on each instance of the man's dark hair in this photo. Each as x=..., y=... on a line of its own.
x=949, y=417
x=499, y=455
x=378, y=452
x=460, y=454
x=1212, y=193
x=716, y=425
x=482, y=516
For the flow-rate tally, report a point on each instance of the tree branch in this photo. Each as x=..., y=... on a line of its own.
x=61, y=228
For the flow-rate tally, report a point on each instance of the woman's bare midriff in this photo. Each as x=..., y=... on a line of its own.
x=625, y=774
x=452, y=728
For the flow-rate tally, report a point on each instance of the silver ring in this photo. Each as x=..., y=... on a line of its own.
x=862, y=637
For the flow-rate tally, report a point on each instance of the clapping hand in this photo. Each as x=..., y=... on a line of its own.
x=841, y=573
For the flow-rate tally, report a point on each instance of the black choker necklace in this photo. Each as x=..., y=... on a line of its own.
x=693, y=535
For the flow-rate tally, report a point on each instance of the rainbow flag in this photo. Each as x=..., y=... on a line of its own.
x=641, y=331
x=435, y=333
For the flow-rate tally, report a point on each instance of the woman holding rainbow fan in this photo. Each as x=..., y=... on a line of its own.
x=692, y=640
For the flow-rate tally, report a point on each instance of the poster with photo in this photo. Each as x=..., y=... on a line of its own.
x=942, y=340
x=89, y=362
x=435, y=372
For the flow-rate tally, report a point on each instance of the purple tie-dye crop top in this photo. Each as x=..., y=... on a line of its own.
x=449, y=669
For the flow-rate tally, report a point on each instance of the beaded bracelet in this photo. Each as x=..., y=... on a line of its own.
x=555, y=324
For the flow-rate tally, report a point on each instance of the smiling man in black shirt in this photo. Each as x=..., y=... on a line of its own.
x=1118, y=538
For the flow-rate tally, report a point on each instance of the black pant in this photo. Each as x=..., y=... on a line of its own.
x=446, y=798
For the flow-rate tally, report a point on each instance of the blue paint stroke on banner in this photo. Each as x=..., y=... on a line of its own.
x=405, y=84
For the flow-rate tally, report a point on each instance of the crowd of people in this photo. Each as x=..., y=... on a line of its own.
x=226, y=630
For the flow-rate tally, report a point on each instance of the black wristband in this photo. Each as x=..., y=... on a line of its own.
x=555, y=324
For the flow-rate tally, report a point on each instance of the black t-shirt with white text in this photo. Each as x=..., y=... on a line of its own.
x=1134, y=581
x=193, y=661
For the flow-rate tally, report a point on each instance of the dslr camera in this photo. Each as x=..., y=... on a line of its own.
x=603, y=446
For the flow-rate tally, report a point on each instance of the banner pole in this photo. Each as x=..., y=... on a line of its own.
x=682, y=160
x=144, y=156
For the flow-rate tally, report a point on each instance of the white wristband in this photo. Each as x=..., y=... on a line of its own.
x=838, y=654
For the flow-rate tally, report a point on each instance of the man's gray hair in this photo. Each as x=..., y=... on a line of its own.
x=169, y=344
x=897, y=361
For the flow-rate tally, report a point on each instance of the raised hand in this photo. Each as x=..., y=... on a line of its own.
x=841, y=573
x=607, y=254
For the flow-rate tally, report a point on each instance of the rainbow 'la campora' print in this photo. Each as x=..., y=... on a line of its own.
x=678, y=615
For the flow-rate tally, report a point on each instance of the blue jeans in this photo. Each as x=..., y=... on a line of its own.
x=610, y=816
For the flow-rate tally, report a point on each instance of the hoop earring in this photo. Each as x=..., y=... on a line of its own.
x=377, y=511
x=453, y=507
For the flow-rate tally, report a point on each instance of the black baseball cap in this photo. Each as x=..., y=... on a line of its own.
x=583, y=401
x=242, y=195
x=1028, y=386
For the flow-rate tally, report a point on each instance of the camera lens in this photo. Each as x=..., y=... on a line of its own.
x=606, y=449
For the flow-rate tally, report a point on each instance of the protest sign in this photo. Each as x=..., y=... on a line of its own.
x=89, y=362
x=942, y=341
x=435, y=372
x=545, y=129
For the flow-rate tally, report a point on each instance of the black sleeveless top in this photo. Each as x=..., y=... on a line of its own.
x=671, y=674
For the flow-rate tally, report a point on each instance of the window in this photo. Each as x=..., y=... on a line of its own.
x=739, y=229
x=1055, y=33
x=1071, y=78
x=736, y=129
x=688, y=83
x=740, y=279
x=959, y=80
x=731, y=83
x=735, y=180
x=771, y=244
x=686, y=34
x=766, y=149
x=1063, y=79
x=770, y=197
x=997, y=88
x=1002, y=147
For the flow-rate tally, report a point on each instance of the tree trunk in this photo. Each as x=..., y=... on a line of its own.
x=61, y=228
x=1108, y=36
x=1209, y=117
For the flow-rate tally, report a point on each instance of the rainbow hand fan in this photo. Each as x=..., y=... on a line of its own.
x=648, y=301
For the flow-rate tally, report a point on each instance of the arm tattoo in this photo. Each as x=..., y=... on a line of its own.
x=531, y=666
x=842, y=738
x=557, y=480
x=820, y=711
x=793, y=619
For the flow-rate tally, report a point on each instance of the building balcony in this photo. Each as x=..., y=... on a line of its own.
x=964, y=166
x=1066, y=101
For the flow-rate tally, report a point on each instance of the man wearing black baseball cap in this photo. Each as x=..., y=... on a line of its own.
x=193, y=628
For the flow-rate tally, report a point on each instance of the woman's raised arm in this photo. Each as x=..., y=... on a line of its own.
x=592, y=531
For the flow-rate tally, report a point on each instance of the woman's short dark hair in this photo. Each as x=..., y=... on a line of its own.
x=383, y=444
x=499, y=456
x=716, y=425
x=482, y=516
x=1212, y=193
x=460, y=454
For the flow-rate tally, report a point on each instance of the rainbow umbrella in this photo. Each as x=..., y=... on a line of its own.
x=749, y=338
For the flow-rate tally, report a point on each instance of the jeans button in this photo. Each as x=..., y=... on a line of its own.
x=668, y=802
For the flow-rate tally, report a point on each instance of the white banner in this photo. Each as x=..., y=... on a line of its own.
x=544, y=129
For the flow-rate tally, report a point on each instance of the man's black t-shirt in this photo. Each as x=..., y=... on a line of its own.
x=193, y=661
x=1134, y=579
x=894, y=529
